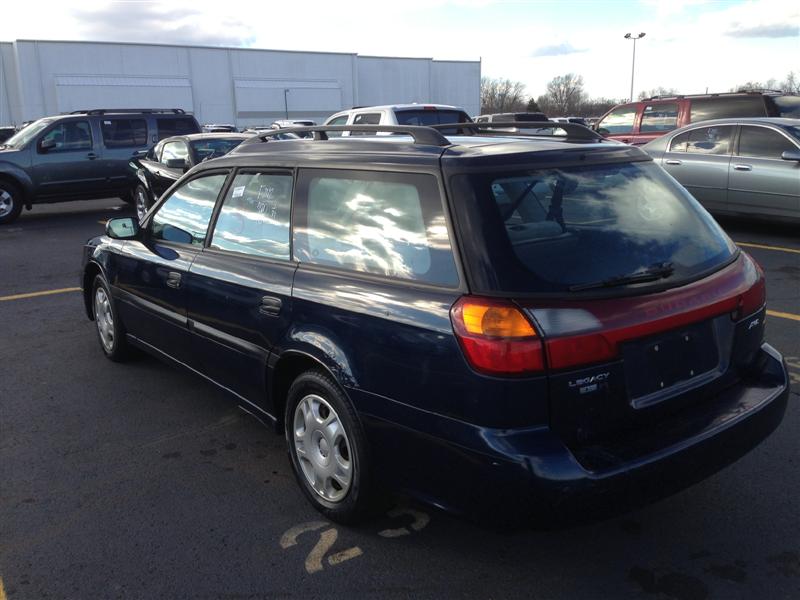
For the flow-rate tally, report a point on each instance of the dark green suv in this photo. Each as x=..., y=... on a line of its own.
x=80, y=156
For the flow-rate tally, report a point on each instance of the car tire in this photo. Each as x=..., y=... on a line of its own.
x=110, y=331
x=328, y=448
x=141, y=201
x=10, y=202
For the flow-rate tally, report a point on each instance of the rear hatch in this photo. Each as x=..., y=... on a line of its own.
x=641, y=303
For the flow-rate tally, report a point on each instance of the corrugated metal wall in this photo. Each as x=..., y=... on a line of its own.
x=226, y=85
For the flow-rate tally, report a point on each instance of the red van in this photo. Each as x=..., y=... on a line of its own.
x=640, y=122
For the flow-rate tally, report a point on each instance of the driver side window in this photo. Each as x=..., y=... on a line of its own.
x=183, y=218
x=68, y=136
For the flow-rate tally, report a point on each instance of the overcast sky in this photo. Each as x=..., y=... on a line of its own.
x=690, y=45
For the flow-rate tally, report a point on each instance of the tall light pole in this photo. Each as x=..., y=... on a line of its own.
x=628, y=36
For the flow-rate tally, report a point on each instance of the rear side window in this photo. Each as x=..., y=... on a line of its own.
x=618, y=121
x=366, y=119
x=659, y=118
x=389, y=224
x=561, y=230
x=171, y=126
x=254, y=218
x=760, y=142
x=183, y=218
x=704, y=140
x=785, y=106
x=124, y=133
x=433, y=117
x=337, y=121
x=727, y=107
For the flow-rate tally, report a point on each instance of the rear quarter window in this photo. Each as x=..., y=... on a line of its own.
x=727, y=107
x=388, y=224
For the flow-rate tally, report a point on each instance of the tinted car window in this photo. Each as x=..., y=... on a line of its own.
x=124, y=133
x=618, y=121
x=785, y=106
x=366, y=119
x=337, y=121
x=727, y=107
x=69, y=136
x=389, y=224
x=659, y=117
x=254, y=218
x=185, y=215
x=432, y=117
x=547, y=231
x=704, y=140
x=172, y=126
x=761, y=142
x=174, y=150
x=209, y=148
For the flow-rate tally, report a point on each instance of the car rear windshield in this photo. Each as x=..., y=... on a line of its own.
x=172, y=126
x=562, y=230
x=430, y=117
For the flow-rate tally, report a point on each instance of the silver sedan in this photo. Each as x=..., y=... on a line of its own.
x=736, y=166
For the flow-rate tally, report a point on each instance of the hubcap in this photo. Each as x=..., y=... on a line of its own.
x=322, y=448
x=6, y=203
x=141, y=203
x=104, y=319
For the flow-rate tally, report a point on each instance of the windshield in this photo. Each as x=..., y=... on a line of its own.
x=212, y=148
x=22, y=137
x=794, y=131
x=562, y=230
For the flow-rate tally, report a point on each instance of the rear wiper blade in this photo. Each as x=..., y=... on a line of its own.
x=653, y=273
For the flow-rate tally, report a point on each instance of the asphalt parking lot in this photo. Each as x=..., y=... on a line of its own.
x=140, y=481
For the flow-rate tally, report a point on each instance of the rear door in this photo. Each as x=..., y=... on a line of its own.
x=699, y=159
x=240, y=285
x=123, y=138
x=760, y=181
x=152, y=273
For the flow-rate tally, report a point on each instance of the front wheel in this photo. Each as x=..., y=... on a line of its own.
x=10, y=202
x=327, y=447
x=110, y=331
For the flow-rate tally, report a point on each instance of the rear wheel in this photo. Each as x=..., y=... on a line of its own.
x=10, y=202
x=110, y=331
x=327, y=447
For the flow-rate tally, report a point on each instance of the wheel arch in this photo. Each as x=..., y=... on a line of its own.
x=21, y=181
x=91, y=271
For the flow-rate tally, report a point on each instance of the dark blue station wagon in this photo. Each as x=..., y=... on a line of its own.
x=497, y=324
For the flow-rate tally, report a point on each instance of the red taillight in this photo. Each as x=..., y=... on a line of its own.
x=755, y=297
x=496, y=337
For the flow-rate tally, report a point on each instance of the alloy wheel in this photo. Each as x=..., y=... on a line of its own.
x=104, y=318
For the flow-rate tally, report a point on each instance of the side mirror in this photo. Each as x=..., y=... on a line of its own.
x=791, y=155
x=124, y=228
x=140, y=153
x=177, y=163
x=602, y=130
x=47, y=144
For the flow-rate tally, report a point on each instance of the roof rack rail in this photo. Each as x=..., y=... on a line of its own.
x=111, y=111
x=422, y=135
x=575, y=131
x=714, y=94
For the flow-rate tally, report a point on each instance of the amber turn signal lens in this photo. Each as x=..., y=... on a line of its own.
x=495, y=321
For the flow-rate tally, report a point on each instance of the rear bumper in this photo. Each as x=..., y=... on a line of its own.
x=531, y=475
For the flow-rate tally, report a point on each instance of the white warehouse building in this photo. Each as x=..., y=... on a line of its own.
x=219, y=85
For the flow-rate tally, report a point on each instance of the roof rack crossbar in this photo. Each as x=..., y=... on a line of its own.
x=111, y=111
x=574, y=131
x=422, y=135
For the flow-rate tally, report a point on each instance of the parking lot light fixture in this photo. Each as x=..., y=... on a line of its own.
x=629, y=36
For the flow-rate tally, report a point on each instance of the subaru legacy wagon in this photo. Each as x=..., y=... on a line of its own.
x=497, y=325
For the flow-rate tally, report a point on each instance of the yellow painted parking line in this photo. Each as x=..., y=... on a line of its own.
x=765, y=247
x=2, y=590
x=783, y=315
x=36, y=295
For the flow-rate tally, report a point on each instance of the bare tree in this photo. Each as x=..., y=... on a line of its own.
x=502, y=95
x=791, y=84
x=658, y=91
x=564, y=95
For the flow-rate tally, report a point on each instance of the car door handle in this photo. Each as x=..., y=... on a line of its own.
x=672, y=161
x=91, y=156
x=742, y=168
x=174, y=280
x=270, y=306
